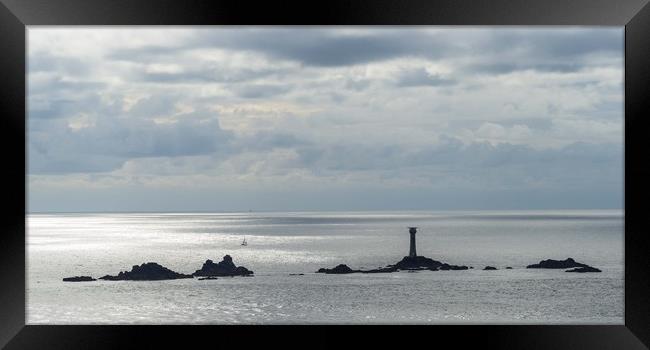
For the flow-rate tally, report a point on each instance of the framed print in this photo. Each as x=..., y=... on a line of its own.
x=243, y=172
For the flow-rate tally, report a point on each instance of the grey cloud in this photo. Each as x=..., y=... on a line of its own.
x=147, y=139
x=183, y=78
x=316, y=47
x=420, y=77
x=111, y=141
x=44, y=106
x=267, y=140
x=554, y=43
x=509, y=67
x=155, y=105
x=41, y=61
x=57, y=85
x=326, y=48
x=357, y=84
x=206, y=74
x=260, y=90
x=479, y=164
x=52, y=109
x=541, y=123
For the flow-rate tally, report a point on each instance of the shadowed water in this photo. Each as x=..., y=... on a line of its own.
x=62, y=245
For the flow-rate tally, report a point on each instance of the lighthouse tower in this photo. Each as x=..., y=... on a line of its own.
x=412, y=231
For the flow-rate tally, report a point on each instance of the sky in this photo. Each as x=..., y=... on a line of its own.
x=324, y=118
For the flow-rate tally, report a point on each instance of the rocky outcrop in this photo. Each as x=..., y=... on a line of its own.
x=424, y=263
x=556, y=264
x=223, y=268
x=446, y=267
x=146, y=272
x=415, y=262
x=490, y=268
x=79, y=279
x=408, y=263
x=339, y=269
x=563, y=264
x=584, y=269
x=208, y=278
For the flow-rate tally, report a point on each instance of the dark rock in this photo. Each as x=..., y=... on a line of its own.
x=79, y=279
x=408, y=263
x=424, y=263
x=411, y=262
x=339, y=269
x=490, y=268
x=146, y=272
x=447, y=267
x=556, y=264
x=296, y=274
x=223, y=268
x=584, y=269
x=508, y=268
x=208, y=278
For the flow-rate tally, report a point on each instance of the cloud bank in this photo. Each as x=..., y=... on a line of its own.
x=314, y=118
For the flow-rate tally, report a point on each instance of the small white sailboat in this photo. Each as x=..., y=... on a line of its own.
x=244, y=242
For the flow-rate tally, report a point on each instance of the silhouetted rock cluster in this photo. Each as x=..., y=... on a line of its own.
x=146, y=272
x=79, y=279
x=490, y=268
x=410, y=263
x=223, y=268
x=339, y=269
x=563, y=264
x=424, y=263
x=556, y=264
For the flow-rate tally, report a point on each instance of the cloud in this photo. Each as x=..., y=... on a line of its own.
x=261, y=90
x=109, y=142
x=420, y=77
x=384, y=109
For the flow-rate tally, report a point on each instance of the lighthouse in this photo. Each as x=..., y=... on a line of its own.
x=412, y=231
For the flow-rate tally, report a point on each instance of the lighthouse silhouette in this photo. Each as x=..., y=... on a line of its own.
x=412, y=231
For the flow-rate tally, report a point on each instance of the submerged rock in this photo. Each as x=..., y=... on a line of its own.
x=146, y=272
x=556, y=264
x=79, y=279
x=208, y=278
x=584, y=269
x=223, y=268
x=490, y=268
x=508, y=268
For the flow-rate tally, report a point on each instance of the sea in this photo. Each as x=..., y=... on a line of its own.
x=285, y=249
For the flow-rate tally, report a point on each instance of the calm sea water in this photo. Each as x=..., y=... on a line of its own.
x=279, y=244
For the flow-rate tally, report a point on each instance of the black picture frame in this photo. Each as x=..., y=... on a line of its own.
x=15, y=15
